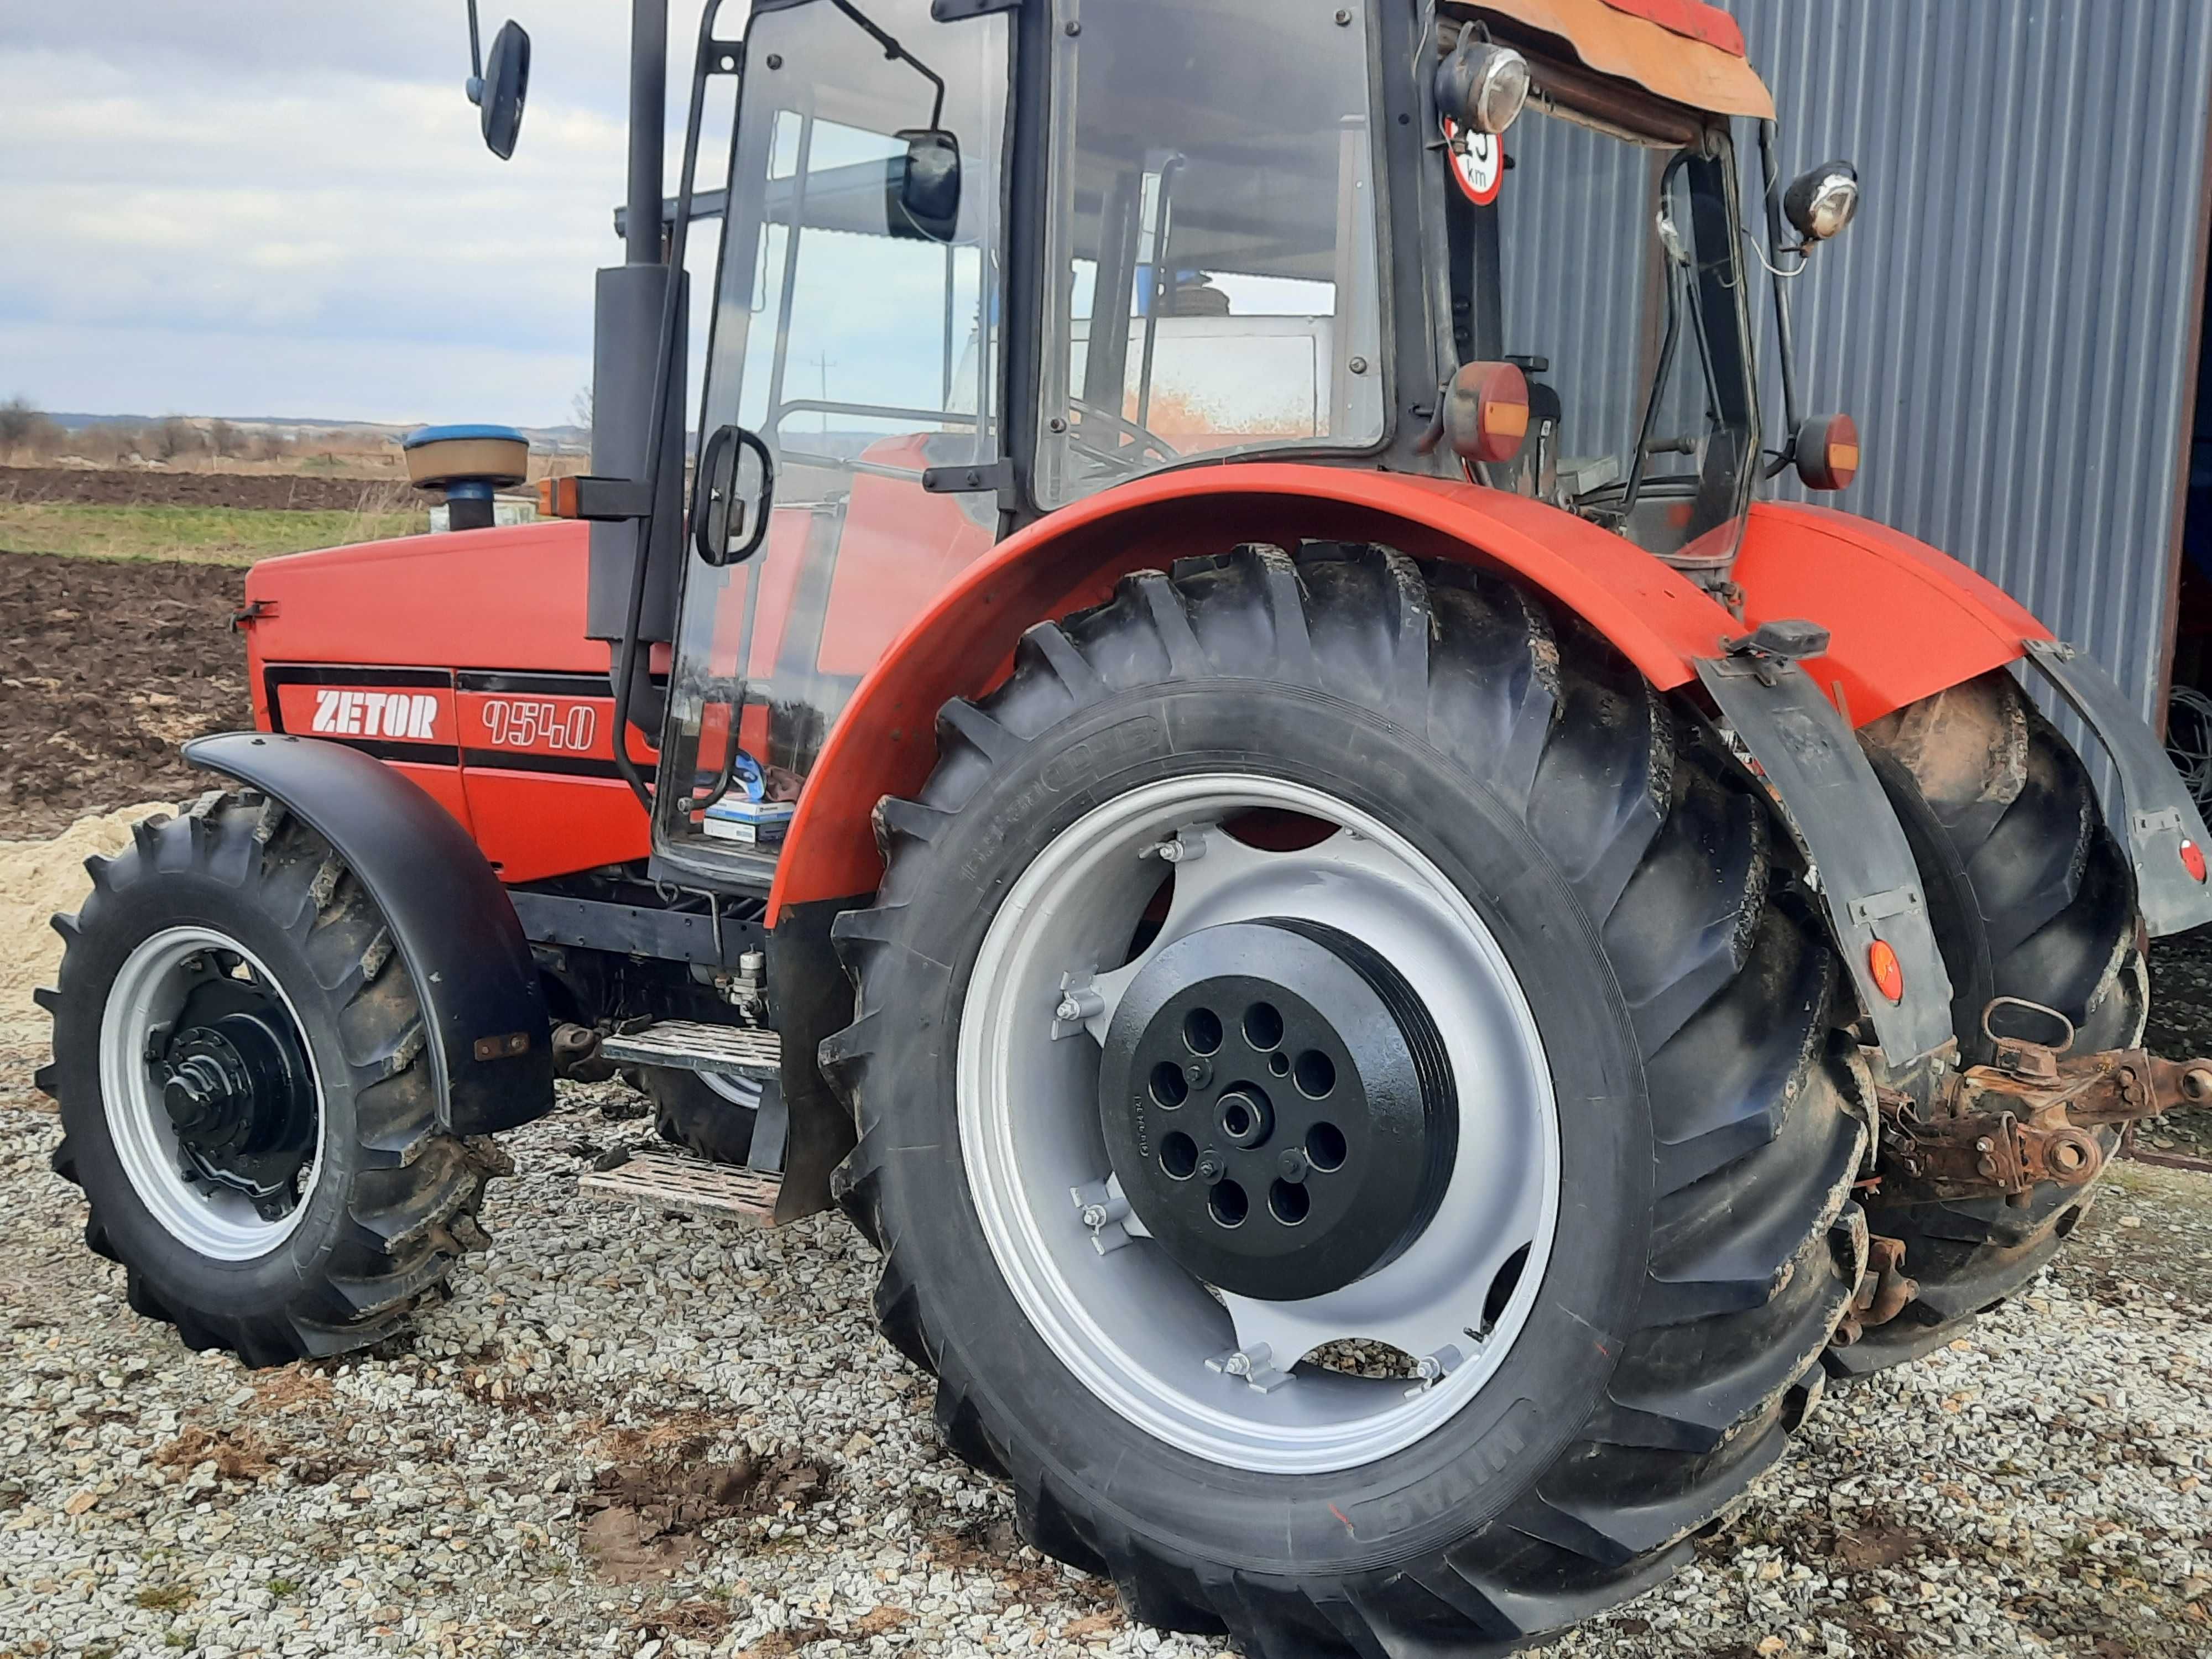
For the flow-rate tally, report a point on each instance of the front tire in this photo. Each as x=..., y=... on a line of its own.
x=293, y=1196
x=1665, y=1336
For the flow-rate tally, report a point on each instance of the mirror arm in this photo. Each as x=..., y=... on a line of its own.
x=898, y=54
x=475, y=58
x=1785, y=346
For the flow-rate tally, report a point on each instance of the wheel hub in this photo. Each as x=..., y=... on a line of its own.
x=238, y=1093
x=1278, y=1106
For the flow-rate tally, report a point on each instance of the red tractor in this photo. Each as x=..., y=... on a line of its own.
x=1221, y=750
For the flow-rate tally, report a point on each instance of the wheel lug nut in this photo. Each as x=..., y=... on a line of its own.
x=1293, y=1165
x=1199, y=1072
x=1210, y=1166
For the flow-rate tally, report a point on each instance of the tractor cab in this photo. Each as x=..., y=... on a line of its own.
x=1166, y=236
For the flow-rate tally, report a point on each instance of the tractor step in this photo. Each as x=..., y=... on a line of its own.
x=693, y=1046
x=669, y=1180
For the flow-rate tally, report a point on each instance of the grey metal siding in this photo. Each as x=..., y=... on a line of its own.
x=2011, y=319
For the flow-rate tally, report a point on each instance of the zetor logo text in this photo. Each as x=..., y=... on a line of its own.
x=405, y=714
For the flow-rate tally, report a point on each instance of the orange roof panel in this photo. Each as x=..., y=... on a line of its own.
x=1681, y=50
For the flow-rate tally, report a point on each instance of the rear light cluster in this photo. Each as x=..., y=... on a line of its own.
x=2192, y=859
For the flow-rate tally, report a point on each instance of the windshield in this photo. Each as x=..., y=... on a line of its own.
x=1609, y=267
x=1213, y=230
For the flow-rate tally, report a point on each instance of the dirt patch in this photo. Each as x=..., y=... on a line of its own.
x=105, y=668
x=39, y=878
x=643, y=1519
x=273, y=492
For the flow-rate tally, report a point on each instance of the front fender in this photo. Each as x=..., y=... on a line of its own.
x=490, y=1039
x=885, y=742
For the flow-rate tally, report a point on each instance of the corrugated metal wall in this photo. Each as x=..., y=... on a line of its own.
x=2011, y=319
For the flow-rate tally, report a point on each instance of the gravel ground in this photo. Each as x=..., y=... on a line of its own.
x=649, y=1437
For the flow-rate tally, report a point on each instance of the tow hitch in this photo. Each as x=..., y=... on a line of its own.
x=2028, y=1116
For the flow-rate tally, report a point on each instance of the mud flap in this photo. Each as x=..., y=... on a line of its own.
x=2146, y=794
x=1868, y=879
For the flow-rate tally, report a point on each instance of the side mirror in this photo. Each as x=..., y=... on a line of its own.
x=505, y=83
x=721, y=508
x=925, y=186
x=1823, y=201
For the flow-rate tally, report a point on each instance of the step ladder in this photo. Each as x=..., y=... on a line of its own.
x=670, y=1178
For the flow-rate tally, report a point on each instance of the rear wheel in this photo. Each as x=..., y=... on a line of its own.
x=2032, y=898
x=1344, y=1099
x=705, y=1113
x=245, y=1097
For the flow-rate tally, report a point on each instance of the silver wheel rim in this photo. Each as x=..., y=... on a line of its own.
x=151, y=987
x=1147, y=1339
x=744, y=1092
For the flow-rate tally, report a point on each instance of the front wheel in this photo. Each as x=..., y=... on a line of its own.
x=1345, y=1098
x=239, y=1059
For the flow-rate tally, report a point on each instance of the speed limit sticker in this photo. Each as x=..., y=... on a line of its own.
x=1477, y=162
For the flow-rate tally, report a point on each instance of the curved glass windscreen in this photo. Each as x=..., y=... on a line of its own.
x=1213, y=232
x=1619, y=286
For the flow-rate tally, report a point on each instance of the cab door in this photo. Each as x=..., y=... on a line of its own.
x=862, y=346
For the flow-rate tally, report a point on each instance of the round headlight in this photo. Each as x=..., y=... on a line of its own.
x=1501, y=90
x=1482, y=85
x=1823, y=201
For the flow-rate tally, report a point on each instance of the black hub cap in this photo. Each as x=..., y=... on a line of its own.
x=239, y=1092
x=1278, y=1106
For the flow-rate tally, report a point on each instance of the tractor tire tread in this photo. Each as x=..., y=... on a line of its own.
x=1737, y=999
x=411, y=1209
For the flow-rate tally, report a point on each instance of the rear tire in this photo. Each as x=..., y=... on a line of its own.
x=1684, y=996
x=2032, y=898
x=237, y=888
x=713, y=1118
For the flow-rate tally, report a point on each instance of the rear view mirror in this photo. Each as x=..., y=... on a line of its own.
x=729, y=521
x=925, y=186
x=505, y=83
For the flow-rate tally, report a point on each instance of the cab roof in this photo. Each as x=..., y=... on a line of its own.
x=1682, y=50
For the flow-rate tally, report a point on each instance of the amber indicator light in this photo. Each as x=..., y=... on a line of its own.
x=1888, y=972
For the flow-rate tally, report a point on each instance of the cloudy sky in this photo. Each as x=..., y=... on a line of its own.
x=284, y=207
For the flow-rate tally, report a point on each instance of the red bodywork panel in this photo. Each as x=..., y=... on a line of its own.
x=1907, y=620
x=885, y=742
x=486, y=626
x=461, y=659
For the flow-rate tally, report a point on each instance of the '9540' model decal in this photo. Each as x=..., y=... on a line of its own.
x=402, y=716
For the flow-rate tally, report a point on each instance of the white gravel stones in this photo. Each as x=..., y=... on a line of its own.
x=2043, y=1488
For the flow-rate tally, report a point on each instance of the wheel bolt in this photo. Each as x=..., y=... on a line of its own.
x=1293, y=1165
x=1210, y=1166
x=1199, y=1072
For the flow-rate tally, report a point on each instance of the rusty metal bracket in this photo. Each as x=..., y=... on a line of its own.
x=2027, y=1119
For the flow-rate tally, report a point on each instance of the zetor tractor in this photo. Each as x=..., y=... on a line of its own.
x=1221, y=750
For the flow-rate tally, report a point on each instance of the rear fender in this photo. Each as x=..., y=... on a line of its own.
x=885, y=742
x=490, y=1040
x=1905, y=621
